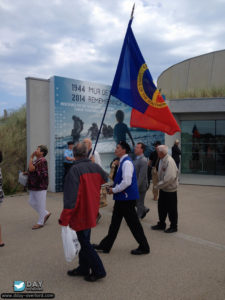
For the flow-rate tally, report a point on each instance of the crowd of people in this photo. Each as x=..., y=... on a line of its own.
x=85, y=185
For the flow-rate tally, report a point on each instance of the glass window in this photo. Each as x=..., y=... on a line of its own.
x=220, y=147
x=203, y=147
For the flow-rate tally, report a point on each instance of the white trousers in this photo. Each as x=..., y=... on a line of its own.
x=37, y=200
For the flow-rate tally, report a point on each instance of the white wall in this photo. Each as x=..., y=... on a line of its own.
x=38, y=117
x=37, y=92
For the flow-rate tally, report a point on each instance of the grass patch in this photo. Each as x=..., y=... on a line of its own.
x=198, y=93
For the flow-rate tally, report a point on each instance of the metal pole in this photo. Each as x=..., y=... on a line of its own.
x=131, y=17
x=132, y=13
x=107, y=104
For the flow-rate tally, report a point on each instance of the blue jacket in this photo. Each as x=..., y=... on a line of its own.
x=131, y=192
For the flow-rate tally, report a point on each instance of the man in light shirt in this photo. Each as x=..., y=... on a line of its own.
x=125, y=194
x=68, y=158
x=167, y=184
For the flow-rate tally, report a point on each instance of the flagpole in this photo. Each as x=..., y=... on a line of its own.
x=132, y=13
x=107, y=104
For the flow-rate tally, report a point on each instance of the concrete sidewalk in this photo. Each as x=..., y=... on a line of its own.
x=187, y=265
x=200, y=179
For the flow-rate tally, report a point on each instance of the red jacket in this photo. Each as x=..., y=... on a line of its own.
x=82, y=194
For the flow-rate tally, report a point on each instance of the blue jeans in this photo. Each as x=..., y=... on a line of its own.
x=88, y=257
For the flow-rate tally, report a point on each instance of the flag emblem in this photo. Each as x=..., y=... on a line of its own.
x=155, y=101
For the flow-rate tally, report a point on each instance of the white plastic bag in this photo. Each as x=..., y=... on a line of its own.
x=71, y=244
x=22, y=179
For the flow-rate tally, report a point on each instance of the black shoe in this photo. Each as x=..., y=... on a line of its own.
x=145, y=213
x=140, y=251
x=76, y=272
x=93, y=278
x=158, y=227
x=170, y=230
x=99, y=248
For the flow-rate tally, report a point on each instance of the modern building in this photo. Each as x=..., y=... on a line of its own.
x=63, y=109
x=195, y=90
x=201, y=117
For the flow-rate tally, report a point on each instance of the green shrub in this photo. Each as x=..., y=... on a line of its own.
x=13, y=147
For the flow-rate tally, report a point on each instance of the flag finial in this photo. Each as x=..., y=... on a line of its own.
x=132, y=13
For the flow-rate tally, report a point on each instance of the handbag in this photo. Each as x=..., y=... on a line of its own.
x=23, y=179
x=103, y=197
x=71, y=244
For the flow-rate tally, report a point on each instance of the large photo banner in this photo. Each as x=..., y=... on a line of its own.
x=76, y=111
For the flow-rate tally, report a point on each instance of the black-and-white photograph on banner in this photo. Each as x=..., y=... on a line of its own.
x=77, y=109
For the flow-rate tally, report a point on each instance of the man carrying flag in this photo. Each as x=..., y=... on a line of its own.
x=125, y=193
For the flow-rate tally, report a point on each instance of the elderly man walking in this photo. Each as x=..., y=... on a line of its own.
x=81, y=205
x=141, y=168
x=96, y=158
x=167, y=185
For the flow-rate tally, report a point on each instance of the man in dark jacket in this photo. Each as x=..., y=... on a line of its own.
x=81, y=204
x=125, y=194
x=141, y=167
x=176, y=153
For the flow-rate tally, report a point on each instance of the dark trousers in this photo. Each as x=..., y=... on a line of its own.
x=167, y=205
x=66, y=170
x=140, y=203
x=88, y=257
x=127, y=210
x=177, y=164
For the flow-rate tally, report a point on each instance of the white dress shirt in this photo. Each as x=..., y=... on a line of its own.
x=127, y=173
x=96, y=158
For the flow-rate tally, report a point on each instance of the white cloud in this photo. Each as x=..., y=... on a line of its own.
x=5, y=5
x=83, y=39
x=68, y=51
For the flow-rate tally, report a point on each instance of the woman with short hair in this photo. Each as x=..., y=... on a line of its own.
x=38, y=184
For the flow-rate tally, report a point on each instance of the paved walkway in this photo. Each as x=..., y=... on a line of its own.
x=201, y=179
x=187, y=265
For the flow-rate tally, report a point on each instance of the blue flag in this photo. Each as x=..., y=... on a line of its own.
x=125, y=85
x=134, y=86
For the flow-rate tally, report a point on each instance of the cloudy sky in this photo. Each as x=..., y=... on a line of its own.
x=82, y=39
